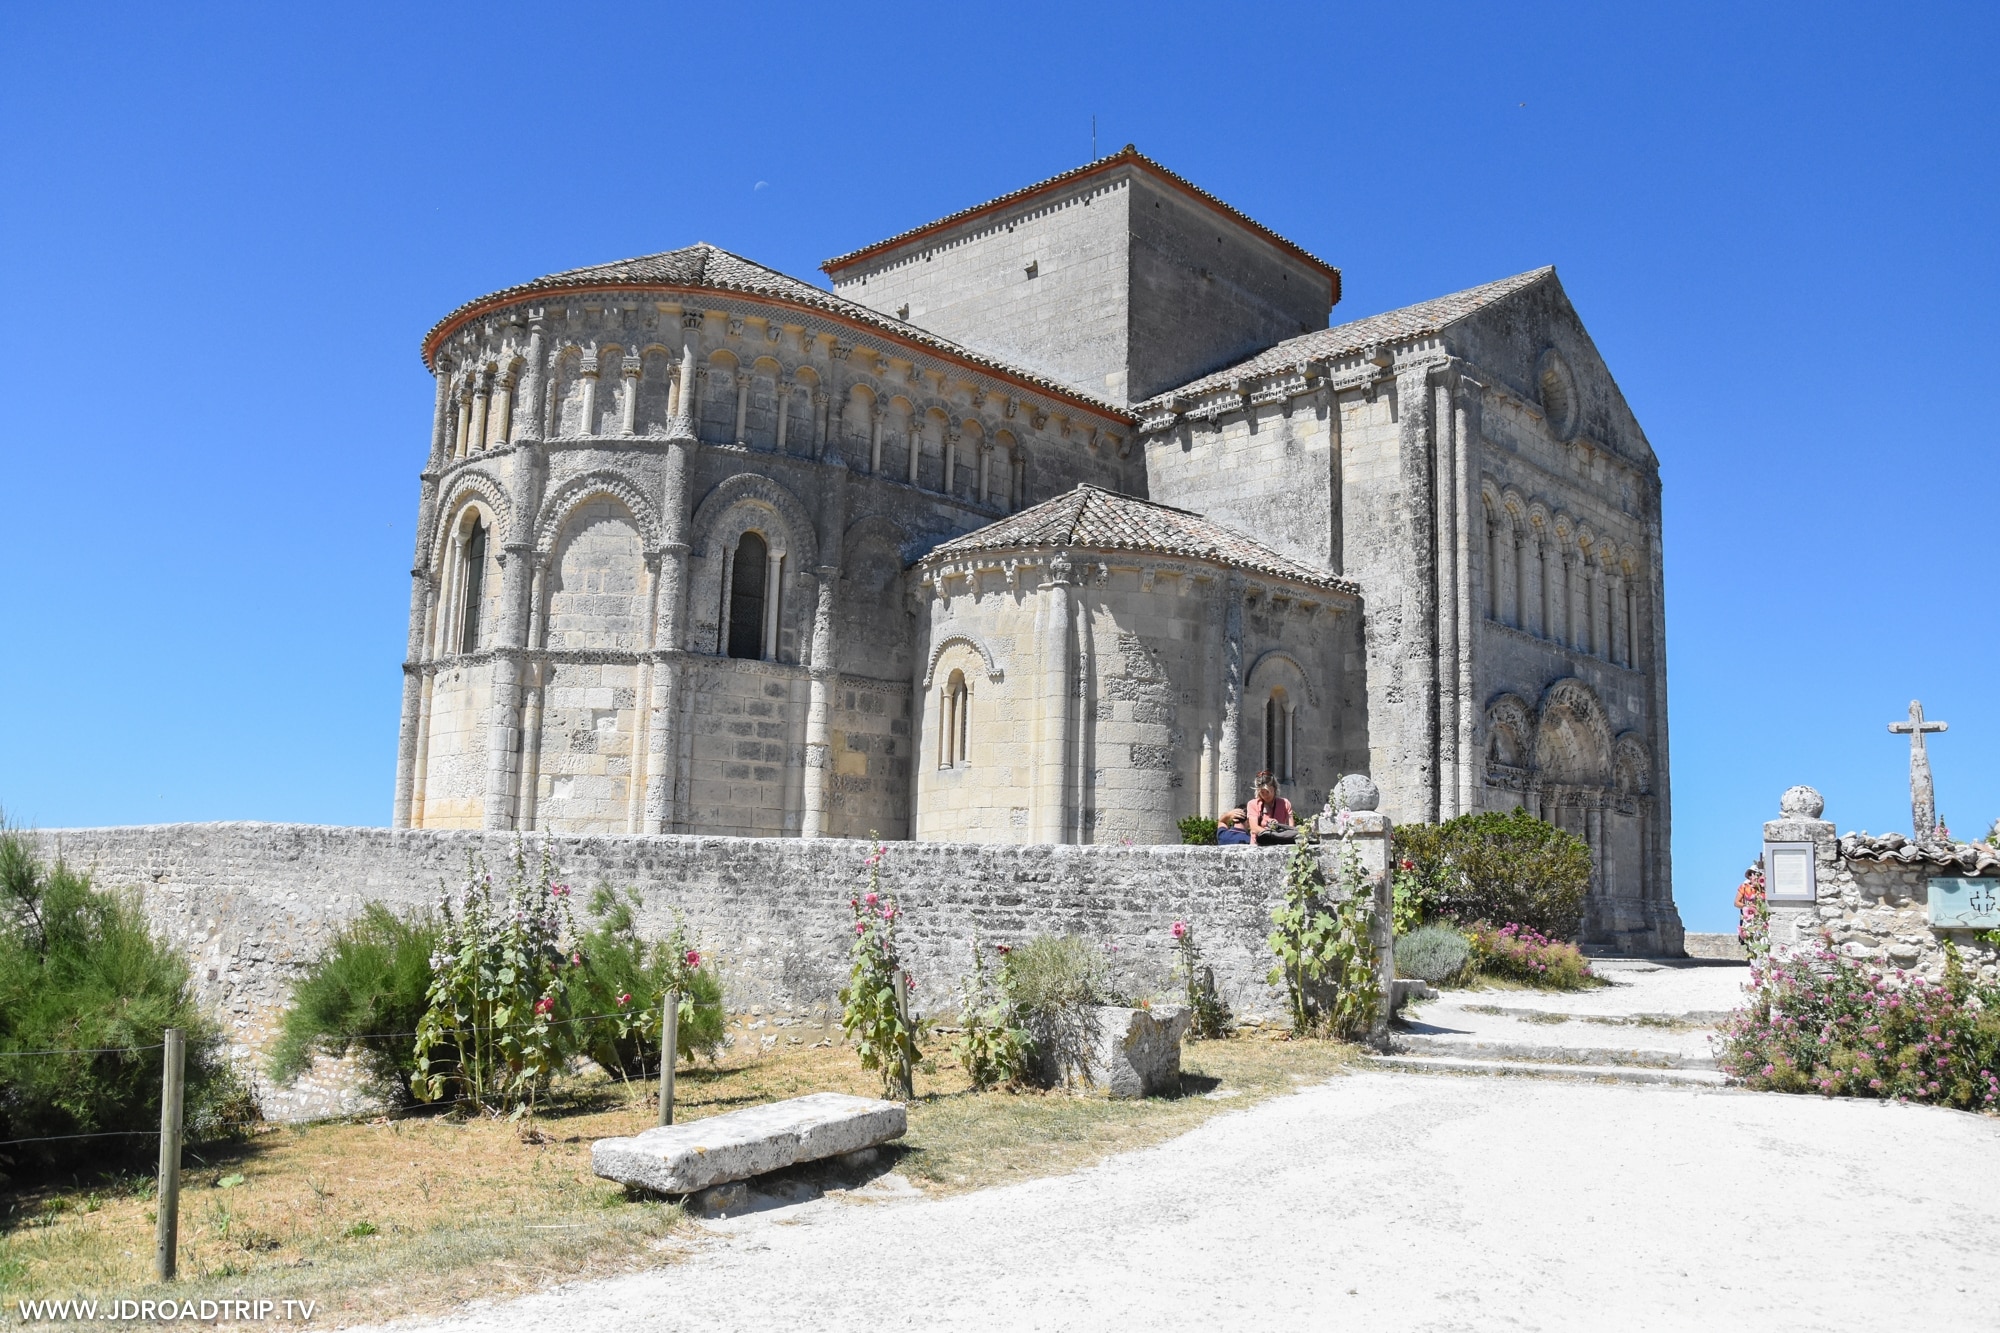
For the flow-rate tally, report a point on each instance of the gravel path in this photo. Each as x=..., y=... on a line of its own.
x=1391, y=1201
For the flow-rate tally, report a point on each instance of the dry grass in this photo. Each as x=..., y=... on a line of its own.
x=398, y=1216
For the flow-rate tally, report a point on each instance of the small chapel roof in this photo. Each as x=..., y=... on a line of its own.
x=1342, y=340
x=1091, y=518
x=706, y=266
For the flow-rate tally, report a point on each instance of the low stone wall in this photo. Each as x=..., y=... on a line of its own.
x=251, y=904
x=1872, y=894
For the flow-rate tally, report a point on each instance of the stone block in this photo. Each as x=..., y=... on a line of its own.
x=1138, y=1051
x=682, y=1159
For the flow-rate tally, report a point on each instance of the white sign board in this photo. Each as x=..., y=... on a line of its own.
x=1790, y=875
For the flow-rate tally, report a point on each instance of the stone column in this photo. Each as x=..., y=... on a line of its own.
x=874, y=437
x=528, y=410
x=500, y=410
x=951, y=438
x=1052, y=808
x=587, y=373
x=1471, y=772
x=1445, y=465
x=421, y=596
x=916, y=442
x=503, y=728
x=784, y=392
x=441, y=414
x=819, y=705
x=822, y=422
x=662, y=812
x=1228, y=779
x=742, y=407
x=1414, y=788
x=985, y=470
x=628, y=407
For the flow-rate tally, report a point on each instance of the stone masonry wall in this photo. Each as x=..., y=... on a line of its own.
x=252, y=904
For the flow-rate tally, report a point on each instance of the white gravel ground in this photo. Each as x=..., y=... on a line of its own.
x=1386, y=1201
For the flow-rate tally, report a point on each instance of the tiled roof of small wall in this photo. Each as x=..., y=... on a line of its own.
x=705, y=266
x=1092, y=519
x=1129, y=153
x=1973, y=858
x=1342, y=340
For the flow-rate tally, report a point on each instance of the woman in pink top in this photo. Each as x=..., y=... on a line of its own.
x=1270, y=815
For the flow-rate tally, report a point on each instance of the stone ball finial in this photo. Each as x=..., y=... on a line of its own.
x=1356, y=792
x=1800, y=803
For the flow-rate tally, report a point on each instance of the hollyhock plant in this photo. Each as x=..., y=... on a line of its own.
x=884, y=1032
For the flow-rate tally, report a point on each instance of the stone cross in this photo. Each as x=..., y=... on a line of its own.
x=1923, y=797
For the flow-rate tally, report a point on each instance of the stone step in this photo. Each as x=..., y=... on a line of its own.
x=1476, y=1048
x=1426, y=1064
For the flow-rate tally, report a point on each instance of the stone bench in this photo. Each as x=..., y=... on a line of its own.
x=681, y=1159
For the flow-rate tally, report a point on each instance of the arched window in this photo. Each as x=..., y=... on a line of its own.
x=1278, y=736
x=747, y=597
x=954, y=722
x=474, y=587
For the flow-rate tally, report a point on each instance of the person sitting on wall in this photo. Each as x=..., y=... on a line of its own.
x=1270, y=815
x=1230, y=832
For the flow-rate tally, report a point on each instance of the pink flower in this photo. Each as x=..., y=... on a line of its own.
x=625, y=999
x=869, y=899
x=692, y=958
x=861, y=928
x=544, y=1005
x=1180, y=930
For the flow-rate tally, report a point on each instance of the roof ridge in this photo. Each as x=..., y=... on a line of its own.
x=1397, y=324
x=1129, y=153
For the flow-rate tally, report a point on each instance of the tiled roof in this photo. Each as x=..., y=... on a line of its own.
x=705, y=266
x=1127, y=154
x=1973, y=858
x=1342, y=340
x=1098, y=520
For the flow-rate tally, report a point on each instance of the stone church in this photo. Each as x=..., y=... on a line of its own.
x=1057, y=520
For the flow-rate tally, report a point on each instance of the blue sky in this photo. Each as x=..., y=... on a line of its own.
x=224, y=230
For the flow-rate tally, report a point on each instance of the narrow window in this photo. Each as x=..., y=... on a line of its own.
x=1278, y=736
x=954, y=722
x=746, y=598
x=475, y=581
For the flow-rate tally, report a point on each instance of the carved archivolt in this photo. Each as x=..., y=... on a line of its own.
x=801, y=543
x=581, y=490
x=1282, y=665
x=1510, y=729
x=1632, y=763
x=993, y=669
x=1573, y=741
x=465, y=487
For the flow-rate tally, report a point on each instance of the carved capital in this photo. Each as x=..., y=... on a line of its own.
x=735, y=327
x=692, y=319
x=841, y=351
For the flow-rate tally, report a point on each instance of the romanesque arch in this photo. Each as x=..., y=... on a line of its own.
x=756, y=490
x=1279, y=669
x=994, y=671
x=748, y=503
x=580, y=490
x=1632, y=765
x=1573, y=741
x=472, y=487
x=1510, y=734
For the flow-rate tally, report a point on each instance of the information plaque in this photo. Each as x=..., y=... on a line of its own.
x=1789, y=873
x=1965, y=904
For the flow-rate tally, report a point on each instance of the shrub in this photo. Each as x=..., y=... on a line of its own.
x=1495, y=867
x=990, y=1047
x=1211, y=1017
x=1053, y=985
x=80, y=974
x=1437, y=954
x=1325, y=956
x=1198, y=831
x=366, y=992
x=1523, y=954
x=627, y=978
x=495, y=1031
x=1818, y=1022
x=885, y=1034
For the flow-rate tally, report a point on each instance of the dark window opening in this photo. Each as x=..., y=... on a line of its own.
x=475, y=583
x=746, y=598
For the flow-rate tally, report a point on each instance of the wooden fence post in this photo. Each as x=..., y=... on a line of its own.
x=670, y=1040
x=167, y=1231
x=905, y=1047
